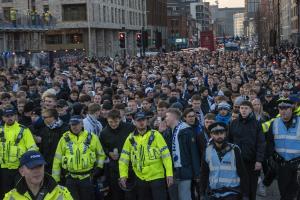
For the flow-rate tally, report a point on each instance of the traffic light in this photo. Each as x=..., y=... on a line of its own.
x=145, y=39
x=139, y=40
x=122, y=39
x=158, y=39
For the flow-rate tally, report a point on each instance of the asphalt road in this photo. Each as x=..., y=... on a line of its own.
x=272, y=193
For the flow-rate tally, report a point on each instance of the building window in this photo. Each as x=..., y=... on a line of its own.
x=112, y=15
x=104, y=14
x=74, y=38
x=123, y=16
x=6, y=13
x=46, y=8
x=74, y=12
x=54, y=39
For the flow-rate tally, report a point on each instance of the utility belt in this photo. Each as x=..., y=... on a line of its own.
x=89, y=172
x=282, y=162
x=223, y=190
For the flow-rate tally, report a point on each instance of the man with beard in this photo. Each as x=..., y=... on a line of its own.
x=112, y=139
x=16, y=140
x=223, y=174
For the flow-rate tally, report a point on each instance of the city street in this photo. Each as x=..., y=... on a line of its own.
x=272, y=193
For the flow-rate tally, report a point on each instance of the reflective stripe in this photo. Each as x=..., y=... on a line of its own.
x=287, y=137
x=60, y=197
x=58, y=156
x=55, y=172
x=288, y=151
x=227, y=180
x=165, y=156
x=222, y=167
x=11, y=197
x=125, y=152
x=124, y=160
x=164, y=148
x=100, y=162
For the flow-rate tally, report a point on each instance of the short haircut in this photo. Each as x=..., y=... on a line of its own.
x=116, y=97
x=187, y=111
x=210, y=116
x=93, y=108
x=247, y=103
x=5, y=95
x=175, y=111
x=149, y=100
x=50, y=112
x=163, y=104
x=120, y=106
x=196, y=97
x=84, y=98
x=50, y=96
x=114, y=114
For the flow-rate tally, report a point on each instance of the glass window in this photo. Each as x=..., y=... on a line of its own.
x=74, y=38
x=54, y=39
x=74, y=12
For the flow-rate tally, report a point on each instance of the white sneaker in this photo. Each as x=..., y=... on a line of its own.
x=261, y=189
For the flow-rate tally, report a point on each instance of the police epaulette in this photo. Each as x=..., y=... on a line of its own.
x=22, y=126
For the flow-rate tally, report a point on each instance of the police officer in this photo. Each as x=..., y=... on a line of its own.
x=35, y=183
x=224, y=176
x=15, y=140
x=296, y=101
x=79, y=156
x=283, y=144
x=147, y=150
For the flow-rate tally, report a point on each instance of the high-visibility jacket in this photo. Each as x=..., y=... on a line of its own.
x=15, y=140
x=77, y=155
x=222, y=174
x=149, y=155
x=287, y=140
x=266, y=125
x=54, y=192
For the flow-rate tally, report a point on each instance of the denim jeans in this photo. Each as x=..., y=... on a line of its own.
x=181, y=190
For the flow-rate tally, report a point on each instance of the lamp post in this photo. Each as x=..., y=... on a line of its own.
x=89, y=28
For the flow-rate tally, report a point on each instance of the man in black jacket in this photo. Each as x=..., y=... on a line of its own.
x=182, y=144
x=247, y=134
x=51, y=135
x=112, y=139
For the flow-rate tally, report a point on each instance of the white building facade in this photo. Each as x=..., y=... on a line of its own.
x=238, y=24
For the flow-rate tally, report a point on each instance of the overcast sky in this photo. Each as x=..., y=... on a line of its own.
x=228, y=3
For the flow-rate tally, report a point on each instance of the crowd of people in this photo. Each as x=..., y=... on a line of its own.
x=180, y=125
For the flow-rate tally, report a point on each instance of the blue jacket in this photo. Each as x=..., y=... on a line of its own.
x=189, y=154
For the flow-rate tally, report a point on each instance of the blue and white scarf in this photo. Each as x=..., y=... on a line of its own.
x=175, y=144
x=56, y=124
x=97, y=126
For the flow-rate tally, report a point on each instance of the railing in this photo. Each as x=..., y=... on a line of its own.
x=29, y=22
